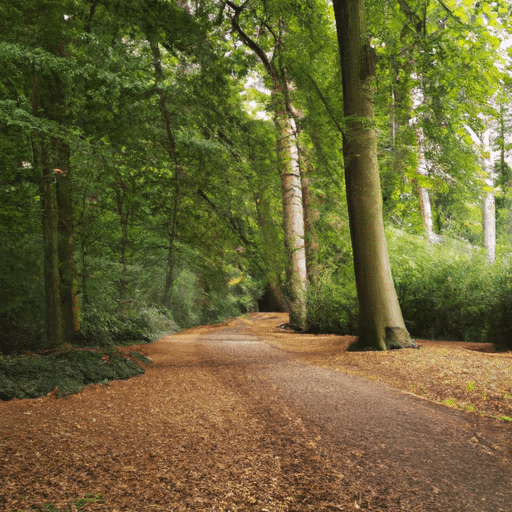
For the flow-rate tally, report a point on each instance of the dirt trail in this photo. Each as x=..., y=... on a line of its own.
x=224, y=421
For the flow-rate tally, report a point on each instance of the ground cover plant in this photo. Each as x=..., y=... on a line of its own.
x=65, y=371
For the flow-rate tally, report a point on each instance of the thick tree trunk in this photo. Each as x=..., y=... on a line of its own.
x=68, y=271
x=426, y=215
x=489, y=226
x=310, y=238
x=484, y=146
x=380, y=319
x=489, y=206
x=289, y=169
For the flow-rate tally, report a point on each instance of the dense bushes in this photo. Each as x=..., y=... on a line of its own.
x=450, y=290
x=446, y=291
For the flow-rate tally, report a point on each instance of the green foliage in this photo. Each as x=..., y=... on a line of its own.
x=450, y=291
x=36, y=375
x=78, y=505
x=332, y=305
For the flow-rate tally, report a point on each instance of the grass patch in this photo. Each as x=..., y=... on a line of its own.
x=78, y=505
x=65, y=371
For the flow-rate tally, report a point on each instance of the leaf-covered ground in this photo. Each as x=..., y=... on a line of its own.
x=193, y=434
x=470, y=376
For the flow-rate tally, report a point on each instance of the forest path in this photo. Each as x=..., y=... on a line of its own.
x=222, y=420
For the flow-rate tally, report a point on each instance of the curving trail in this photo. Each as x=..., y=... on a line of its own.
x=222, y=420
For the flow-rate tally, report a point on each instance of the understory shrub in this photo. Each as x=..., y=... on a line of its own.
x=450, y=291
x=332, y=304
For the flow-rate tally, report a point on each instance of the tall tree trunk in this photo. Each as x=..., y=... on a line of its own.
x=68, y=271
x=484, y=146
x=124, y=212
x=311, y=239
x=381, y=323
x=425, y=204
x=489, y=206
x=53, y=321
x=293, y=218
x=49, y=224
x=489, y=226
x=310, y=236
x=289, y=169
x=173, y=157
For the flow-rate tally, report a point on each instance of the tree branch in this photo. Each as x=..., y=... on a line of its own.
x=411, y=16
x=230, y=220
x=250, y=42
x=323, y=99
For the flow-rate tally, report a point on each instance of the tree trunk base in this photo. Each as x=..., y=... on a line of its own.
x=396, y=337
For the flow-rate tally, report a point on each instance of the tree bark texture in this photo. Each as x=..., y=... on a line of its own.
x=484, y=147
x=293, y=218
x=49, y=225
x=53, y=319
x=425, y=204
x=68, y=272
x=381, y=324
x=289, y=169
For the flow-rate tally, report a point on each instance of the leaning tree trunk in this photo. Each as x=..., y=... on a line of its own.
x=381, y=323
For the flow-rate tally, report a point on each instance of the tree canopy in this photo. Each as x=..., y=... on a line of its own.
x=141, y=190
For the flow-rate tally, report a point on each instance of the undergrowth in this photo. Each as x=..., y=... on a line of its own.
x=66, y=371
x=446, y=291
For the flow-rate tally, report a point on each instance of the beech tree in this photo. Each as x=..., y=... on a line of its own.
x=381, y=324
x=287, y=149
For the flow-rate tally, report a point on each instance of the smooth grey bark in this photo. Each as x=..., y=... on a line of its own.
x=381, y=325
x=483, y=146
x=293, y=219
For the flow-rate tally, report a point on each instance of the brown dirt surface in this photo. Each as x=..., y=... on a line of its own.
x=464, y=375
x=229, y=418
